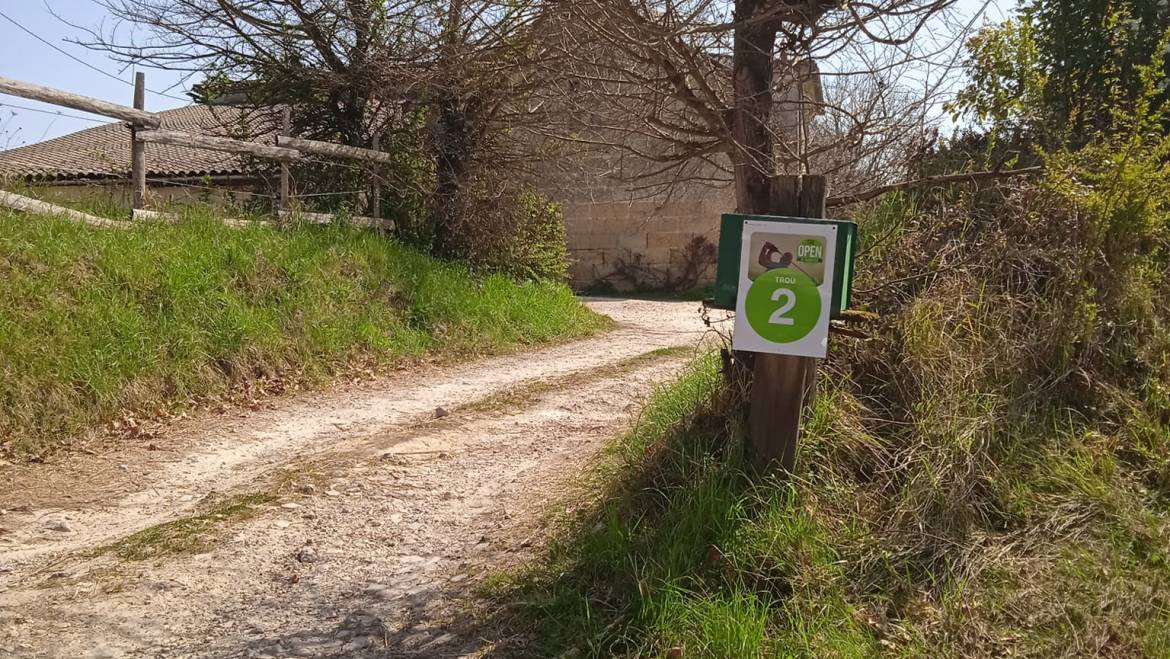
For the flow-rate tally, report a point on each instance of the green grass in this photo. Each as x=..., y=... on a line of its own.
x=632, y=574
x=93, y=322
x=987, y=475
x=683, y=553
x=188, y=535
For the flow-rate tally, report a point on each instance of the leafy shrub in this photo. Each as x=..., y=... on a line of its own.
x=1006, y=426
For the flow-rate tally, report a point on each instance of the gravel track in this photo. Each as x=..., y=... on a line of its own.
x=389, y=501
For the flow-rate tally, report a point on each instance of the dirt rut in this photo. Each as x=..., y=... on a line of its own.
x=377, y=511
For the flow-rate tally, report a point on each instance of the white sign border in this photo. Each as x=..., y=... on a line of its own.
x=816, y=344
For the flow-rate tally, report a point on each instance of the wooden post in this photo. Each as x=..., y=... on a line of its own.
x=814, y=194
x=376, y=194
x=285, y=129
x=137, y=148
x=782, y=385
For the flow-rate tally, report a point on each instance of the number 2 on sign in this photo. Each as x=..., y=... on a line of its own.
x=789, y=302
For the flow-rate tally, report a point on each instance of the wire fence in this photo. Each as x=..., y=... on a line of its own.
x=209, y=188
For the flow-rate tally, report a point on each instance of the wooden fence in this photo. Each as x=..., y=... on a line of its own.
x=146, y=127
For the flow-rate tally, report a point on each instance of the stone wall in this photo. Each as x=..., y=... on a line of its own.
x=644, y=244
x=631, y=232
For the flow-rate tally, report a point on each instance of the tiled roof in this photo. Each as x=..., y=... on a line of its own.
x=104, y=151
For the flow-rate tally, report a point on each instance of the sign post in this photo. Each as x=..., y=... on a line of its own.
x=786, y=275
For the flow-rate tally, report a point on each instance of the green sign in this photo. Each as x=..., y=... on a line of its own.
x=727, y=276
x=783, y=306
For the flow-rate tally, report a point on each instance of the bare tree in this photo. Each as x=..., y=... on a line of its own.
x=327, y=59
x=703, y=89
x=718, y=92
x=444, y=82
x=696, y=90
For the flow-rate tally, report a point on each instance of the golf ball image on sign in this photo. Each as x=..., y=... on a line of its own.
x=785, y=288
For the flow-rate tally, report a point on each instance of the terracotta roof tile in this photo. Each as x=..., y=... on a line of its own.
x=104, y=151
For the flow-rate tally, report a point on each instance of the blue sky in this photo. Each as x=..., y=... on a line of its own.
x=24, y=57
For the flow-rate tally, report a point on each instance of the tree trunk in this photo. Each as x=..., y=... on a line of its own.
x=752, y=62
x=454, y=141
x=779, y=384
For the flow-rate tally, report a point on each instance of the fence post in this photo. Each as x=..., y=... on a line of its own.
x=783, y=385
x=138, y=149
x=286, y=130
x=375, y=210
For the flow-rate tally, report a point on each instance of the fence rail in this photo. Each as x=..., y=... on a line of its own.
x=146, y=128
x=174, y=218
x=327, y=218
x=334, y=150
x=78, y=102
x=214, y=143
x=30, y=205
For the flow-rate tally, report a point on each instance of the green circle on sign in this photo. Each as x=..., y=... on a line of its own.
x=783, y=305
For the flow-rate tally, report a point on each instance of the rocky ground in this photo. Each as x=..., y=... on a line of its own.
x=346, y=524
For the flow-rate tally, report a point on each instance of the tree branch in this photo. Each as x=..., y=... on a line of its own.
x=932, y=181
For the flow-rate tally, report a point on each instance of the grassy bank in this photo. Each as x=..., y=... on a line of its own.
x=683, y=554
x=987, y=475
x=96, y=321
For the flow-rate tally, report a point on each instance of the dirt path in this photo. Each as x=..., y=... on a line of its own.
x=336, y=525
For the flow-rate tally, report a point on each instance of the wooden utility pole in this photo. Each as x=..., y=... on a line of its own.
x=783, y=385
x=137, y=148
x=285, y=129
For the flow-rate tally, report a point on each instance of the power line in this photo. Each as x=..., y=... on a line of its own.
x=181, y=81
x=81, y=61
x=55, y=113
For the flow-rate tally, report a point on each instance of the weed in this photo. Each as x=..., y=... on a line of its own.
x=628, y=575
x=188, y=535
x=946, y=536
x=987, y=476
